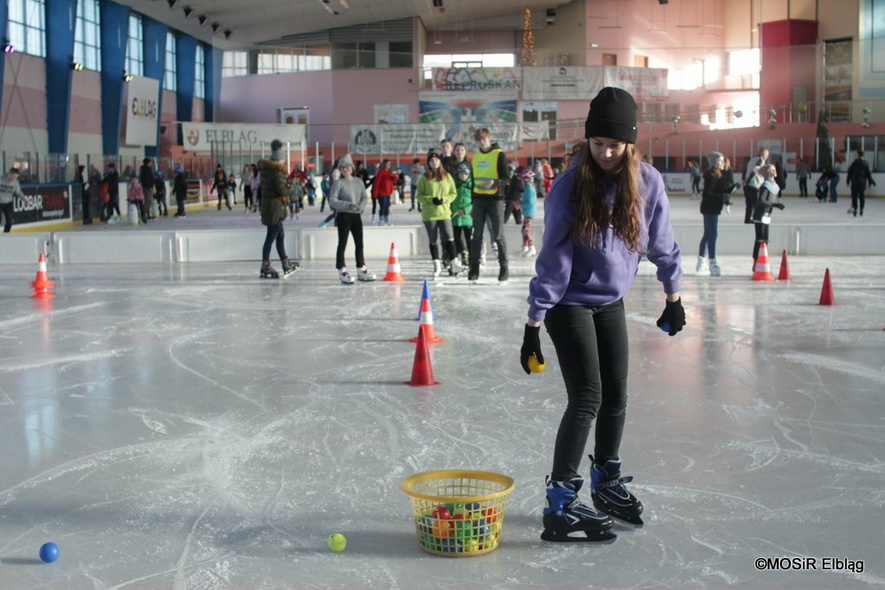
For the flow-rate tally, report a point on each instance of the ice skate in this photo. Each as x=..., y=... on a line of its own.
x=503, y=274
x=455, y=267
x=364, y=275
x=531, y=252
x=344, y=276
x=566, y=514
x=267, y=271
x=609, y=494
x=715, y=271
x=437, y=268
x=289, y=267
x=701, y=267
x=473, y=273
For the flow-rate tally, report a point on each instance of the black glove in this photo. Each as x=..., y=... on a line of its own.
x=779, y=206
x=437, y=201
x=673, y=318
x=531, y=345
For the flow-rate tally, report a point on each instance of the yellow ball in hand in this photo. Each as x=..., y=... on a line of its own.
x=337, y=542
x=535, y=366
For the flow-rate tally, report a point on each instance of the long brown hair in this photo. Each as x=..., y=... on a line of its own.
x=440, y=174
x=588, y=194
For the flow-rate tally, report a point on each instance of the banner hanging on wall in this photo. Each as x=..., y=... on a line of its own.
x=461, y=112
x=561, y=83
x=395, y=139
x=476, y=79
x=143, y=111
x=203, y=136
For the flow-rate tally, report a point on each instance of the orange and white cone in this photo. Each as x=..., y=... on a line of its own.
x=422, y=369
x=427, y=325
x=762, y=270
x=41, y=284
x=784, y=273
x=394, y=273
x=826, y=292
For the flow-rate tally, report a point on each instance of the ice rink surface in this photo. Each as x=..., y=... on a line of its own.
x=194, y=427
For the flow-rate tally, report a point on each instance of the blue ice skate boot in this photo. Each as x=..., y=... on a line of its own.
x=566, y=514
x=609, y=494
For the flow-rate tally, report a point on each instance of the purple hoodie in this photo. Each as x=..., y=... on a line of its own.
x=574, y=274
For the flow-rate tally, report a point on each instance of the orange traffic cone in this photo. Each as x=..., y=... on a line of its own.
x=762, y=270
x=41, y=284
x=394, y=273
x=826, y=292
x=784, y=273
x=427, y=325
x=422, y=370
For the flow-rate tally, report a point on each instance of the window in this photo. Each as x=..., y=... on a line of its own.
x=170, y=72
x=401, y=54
x=353, y=55
x=235, y=63
x=26, y=26
x=200, y=74
x=134, y=56
x=86, y=35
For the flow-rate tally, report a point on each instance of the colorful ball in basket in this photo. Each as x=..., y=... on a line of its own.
x=458, y=513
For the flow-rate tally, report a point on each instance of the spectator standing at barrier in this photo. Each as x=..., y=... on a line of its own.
x=146, y=178
x=489, y=183
x=752, y=181
x=179, y=189
x=84, y=194
x=858, y=179
x=802, y=174
x=112, y=180
x=95, y=190
x=9, y=191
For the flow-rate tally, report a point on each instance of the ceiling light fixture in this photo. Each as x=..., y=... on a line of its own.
x=202, y=19
x=127, y=77
x=228, y=33
x=76, y=66
x=8, y=47
x=188, y=11
x=172, y=4
x=215, y=27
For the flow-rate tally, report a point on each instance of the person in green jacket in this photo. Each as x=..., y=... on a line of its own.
x=436, y=192
x=461, y=207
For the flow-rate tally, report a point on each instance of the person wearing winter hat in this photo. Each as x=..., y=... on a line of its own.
x=436, y=192
x=348, y=197
x=608, y=208
x=275, y=192
x=462, y=222
x=490, y=176
x=528, y=207
x=717, y=187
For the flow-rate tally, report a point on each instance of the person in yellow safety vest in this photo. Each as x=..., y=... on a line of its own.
x=489, y=186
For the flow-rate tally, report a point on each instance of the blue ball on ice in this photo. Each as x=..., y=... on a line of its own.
x=49, y=552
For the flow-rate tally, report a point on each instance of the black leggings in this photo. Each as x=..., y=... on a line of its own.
x=349, y=223
x=593, y=351
x=275, y=235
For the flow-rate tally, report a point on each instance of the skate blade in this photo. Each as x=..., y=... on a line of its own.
x=588, y=537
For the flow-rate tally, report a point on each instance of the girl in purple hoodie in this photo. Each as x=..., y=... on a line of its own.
x=605, y=211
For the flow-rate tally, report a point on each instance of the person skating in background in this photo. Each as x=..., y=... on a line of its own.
x=462, y=222
x=717, y=187
x=528, y=205
x=135, y=196
x=232, y=188
x=416, y=171
x=146, y=178
x=858, y=178
x=275, y=192
x=601, y=214
x=160, y=193
x=766, y=200
x=221, y=188
x=255, y=181
x=728, y=174
x=694, y=172
x=179, y=189
x=9, y=191
x=802, y=174
x=436, y=192
x=348, y=198
x=112, y=180
x=489, y=186
x=246, y=186
x=382, y=188
x=751, y=183
x=513, y=197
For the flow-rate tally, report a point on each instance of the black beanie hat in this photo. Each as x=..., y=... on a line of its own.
x=612, y=114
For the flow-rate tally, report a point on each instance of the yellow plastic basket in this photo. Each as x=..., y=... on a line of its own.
x=458, y=513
